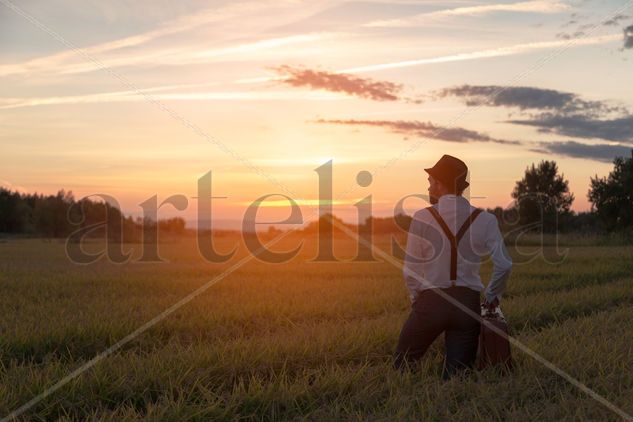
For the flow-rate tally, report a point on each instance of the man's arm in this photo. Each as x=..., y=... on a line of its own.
x=502, y=263
x=413, y=269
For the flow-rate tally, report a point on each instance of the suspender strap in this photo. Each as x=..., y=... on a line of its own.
x=451, y=239
x=454, y=239
x=467, y=223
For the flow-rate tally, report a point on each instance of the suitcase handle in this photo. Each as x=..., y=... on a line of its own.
x=494, y=313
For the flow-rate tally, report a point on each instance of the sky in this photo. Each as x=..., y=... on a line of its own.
x=140, y=98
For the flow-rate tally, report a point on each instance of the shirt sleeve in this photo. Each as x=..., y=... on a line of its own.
x=413, y=269
x=502, y=263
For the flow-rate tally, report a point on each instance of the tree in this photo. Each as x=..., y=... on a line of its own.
x=15, y=215
x=612, y=197
x=543, y=197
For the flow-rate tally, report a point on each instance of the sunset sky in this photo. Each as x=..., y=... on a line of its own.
x=261, y=93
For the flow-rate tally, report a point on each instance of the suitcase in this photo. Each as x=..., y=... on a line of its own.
x=494, y=349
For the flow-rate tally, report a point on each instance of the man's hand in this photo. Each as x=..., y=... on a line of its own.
x=491, y=305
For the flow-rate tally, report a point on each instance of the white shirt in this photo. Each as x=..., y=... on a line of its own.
x=428, y=259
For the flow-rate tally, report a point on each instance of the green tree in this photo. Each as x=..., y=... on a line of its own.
x=612, y=197
x=542, y=197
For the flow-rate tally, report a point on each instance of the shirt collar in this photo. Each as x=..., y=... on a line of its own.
x=451, y=199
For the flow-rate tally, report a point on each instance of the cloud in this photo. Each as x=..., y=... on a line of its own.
x=180, y=57
x=566, y=36
x=562, y=113
x=484, y=54
x=614, y=20
x=535, y=6
x=423, y=130
x=597, y=152
x=341, y=82
x=71, y=63
x=473, y=55
x=628, y=37
x=138, y=49
x=144, y=95
x=524, y=97
x=181, y=24
x=580, y=30
x=617, y=129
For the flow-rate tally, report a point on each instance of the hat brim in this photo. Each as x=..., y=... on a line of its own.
x=462, y=185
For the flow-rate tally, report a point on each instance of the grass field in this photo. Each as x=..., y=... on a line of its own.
x=298, y=340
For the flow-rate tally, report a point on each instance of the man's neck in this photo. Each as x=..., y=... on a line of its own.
x=451, y=198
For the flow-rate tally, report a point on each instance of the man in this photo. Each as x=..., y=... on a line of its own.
x=444, y=248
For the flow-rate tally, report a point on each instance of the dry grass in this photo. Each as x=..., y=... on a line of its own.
x=297, y=340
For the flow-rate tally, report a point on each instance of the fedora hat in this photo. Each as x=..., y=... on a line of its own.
x=451, y=171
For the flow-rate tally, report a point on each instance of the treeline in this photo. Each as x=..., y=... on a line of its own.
x=509, y=221
x=60, y=215
x=542, y=200
x=542, y=203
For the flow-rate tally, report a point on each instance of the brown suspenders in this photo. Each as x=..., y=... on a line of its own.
x=454, y=239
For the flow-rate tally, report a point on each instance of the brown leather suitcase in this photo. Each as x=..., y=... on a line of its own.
x=494, y=349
